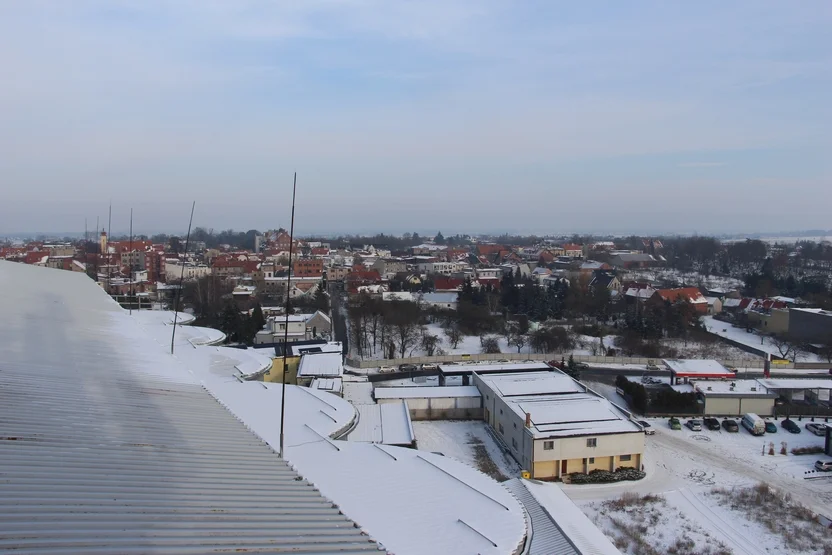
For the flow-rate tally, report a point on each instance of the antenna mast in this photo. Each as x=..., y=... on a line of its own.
x=286, y=326
x=132, y=289
x=181, y=280
x=109, y=232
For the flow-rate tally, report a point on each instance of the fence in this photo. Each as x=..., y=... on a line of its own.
x=757, y=363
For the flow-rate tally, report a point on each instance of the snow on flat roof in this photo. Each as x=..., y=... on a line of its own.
x=332, y=385
x=413, y=502
x=445, y=391
x=732, y=387
x=695, y=367
x=502, y=367
x=533, y=383
x=388, y=423
x=557, y=415
x=330, y=347
x=572, y=521
x=796, y=383
x=321, y=364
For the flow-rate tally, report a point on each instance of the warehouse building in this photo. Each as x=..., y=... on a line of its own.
x=734, y=398
x=435, y=403
x=554, y=426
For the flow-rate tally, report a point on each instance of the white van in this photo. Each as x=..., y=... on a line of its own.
x=754, y=424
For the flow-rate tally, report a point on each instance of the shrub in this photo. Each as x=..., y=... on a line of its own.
x=813, y=450
x=605, y=476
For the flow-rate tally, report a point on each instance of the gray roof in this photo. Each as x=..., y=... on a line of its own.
x=546, y=536
x=109, y=445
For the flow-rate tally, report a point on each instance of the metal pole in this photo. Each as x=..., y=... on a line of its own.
x=286, y=326
x=181, y=279
x=132, y=289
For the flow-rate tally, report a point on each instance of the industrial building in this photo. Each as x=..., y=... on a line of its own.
x=435, y=403
x=734, y=398
x=554, y=426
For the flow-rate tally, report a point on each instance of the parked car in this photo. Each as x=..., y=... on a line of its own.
x=823, y=466
x=694, y=425
x=648, y=429
x=790, y=426
x=582, y=366
x=712, y=424
x=675, y=424
x=771, y=428
x=817, y=429
x=730, y=425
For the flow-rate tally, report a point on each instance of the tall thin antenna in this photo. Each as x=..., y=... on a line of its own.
x=86, y=237
x=181, y=280
x=109, y=233
x=286, y=326
x=132, y=289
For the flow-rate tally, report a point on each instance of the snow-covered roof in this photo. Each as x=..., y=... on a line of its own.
x=499, y=367
x=575, y=414
x=746, y=388
x=532, y=383
x=424, y=392
x=698, y=368
x=547, y=537
x=322, y=364
x=331, y=385
x=731, y=303
x=119, y=447
x=440, y=297
x=581, y=531
x=796, y=383
x=388, y=423
x=327, y=347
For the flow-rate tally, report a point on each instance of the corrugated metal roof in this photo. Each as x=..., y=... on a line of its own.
x=546, y=536
x=109, y=445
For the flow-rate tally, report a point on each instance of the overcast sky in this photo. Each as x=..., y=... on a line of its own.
x=417, y=116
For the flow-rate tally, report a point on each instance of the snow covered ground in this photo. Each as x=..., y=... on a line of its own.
x=753, y=339
x=684, y=467
x=466, y=441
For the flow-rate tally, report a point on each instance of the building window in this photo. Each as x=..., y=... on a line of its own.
x=501, y=411
x=624, y=458
x=500, y=427
x=591, y=460
x=592, y=442
x=548, y=445
x=515, y=425
x=514, y=443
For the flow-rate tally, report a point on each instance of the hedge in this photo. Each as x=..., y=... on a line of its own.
x=605, y=476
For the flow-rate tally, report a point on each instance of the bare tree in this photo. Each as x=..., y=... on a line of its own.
x=514, y=338
x=403, y=319
x=783, y=344
x=454, y=336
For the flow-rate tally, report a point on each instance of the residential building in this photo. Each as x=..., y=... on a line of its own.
x=175, y=270
x=575, y=251
x=301, y=327
x=338, y=273
x=554, y=426
x=714, y=305
x=308, y=267
x=633, y=260
x=689, y=294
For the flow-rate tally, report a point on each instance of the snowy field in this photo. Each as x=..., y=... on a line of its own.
x=753, y=339
x=469, y=442
x=685, y=469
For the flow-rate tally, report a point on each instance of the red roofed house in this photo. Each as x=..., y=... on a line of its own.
x=573, y=250
x=689, y=294
x=443, y=284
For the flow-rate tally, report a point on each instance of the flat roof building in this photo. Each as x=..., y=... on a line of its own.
x=684, y=369
x=554, y=426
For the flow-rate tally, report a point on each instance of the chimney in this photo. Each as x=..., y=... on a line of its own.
x=528, y=420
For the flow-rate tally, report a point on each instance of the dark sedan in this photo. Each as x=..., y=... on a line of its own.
x=790, y=426
x=712, y=424
x=730, y=425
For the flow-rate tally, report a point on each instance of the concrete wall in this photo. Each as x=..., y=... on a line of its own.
x=275, y=374
x=737, y=406
x=441, y=408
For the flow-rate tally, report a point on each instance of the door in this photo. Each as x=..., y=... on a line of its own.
x=562, y=467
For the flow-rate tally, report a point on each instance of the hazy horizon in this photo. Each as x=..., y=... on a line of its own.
x=649, y=117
